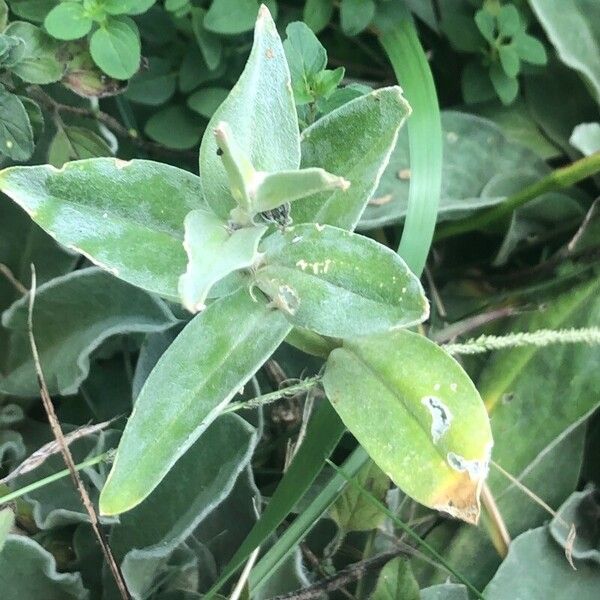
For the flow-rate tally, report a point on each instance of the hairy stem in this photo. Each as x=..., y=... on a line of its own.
x=540, y=338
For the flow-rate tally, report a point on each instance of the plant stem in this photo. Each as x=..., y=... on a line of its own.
x=558, y=179
x=36, y=485
x=291, y=390
x=49, y=103
x=494, y=522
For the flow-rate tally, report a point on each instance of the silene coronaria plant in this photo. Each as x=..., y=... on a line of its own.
x=260, y=250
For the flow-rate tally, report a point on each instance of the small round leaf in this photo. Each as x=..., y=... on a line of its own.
x=115, y=48
x=68, y=21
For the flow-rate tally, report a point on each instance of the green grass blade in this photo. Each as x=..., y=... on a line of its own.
x=304, y=522
x=399, y=39
x=322, y=436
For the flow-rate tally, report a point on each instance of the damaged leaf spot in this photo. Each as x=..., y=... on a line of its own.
x=476, y=469
x=441, y=417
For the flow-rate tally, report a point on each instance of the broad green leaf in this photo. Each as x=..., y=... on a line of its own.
x=352, y=511
x=476, y=153
x=187, y=390
x=396, y=582
x=573, y=27
x=543, y=448
x=175, y=508
x=68, y=21
x=213, y=253
x=536, y=567
x=276, y=189
x=175, y=127
x=40, y=63
x=7, y=520
x=73, y=315
x=586, y=138
x=231, y=16
x=317, y=14
x=154, y=85
x=29, y=571
x=354, y=142
x=76, y=143
x=115, y=47
x=417, y=414
x=356, y=15
x=514, y=381
x=16, y=134
x=338, y=283
x=260, y=110
x=518, y=125
x=207, y=100
x=113, y=212
x=559, y=100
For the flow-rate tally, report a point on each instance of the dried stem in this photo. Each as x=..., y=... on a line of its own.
x=109, y=121
x=494, y=522
x=66, y=452
x=12, y=279
x=345, y=576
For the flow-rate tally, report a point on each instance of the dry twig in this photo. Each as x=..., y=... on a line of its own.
x=66, y=452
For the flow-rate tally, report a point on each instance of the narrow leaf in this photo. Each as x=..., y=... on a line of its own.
x=354, y=142
x=261, y=111
x=287, y=186
x=207, y=364
x=324, y=432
